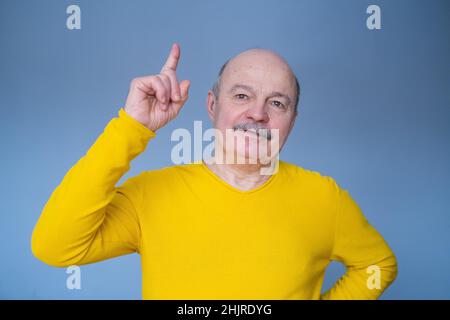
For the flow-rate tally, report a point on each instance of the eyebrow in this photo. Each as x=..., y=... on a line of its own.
x=248, y=88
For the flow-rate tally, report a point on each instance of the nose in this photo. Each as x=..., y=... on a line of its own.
x=258, y=112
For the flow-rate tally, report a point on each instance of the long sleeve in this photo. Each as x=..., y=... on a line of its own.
x=359, y=247
x=88, y=218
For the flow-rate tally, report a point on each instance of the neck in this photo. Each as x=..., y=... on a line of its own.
x=241, y=176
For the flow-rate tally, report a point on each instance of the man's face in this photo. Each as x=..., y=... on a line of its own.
x=257, y=89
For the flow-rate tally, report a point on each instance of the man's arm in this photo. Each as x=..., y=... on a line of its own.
x=88, y=219
x=359, y=246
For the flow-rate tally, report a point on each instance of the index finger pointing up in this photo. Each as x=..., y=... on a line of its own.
x=173, y=58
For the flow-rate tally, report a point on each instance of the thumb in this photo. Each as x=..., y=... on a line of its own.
x=184, y=88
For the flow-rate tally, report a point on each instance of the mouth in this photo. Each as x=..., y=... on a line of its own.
x=265, y=133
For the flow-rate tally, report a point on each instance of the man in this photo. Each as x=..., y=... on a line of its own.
x=214, y=230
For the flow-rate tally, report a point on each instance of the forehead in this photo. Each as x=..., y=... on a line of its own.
x=261, y=70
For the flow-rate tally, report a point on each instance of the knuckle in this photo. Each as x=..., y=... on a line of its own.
x=134, y=82
x=159, y=82
x=162, y=90
x=164, y=77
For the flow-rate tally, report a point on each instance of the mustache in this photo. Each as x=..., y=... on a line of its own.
x=260, y=129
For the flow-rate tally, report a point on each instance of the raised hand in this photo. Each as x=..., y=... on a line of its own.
x=156, y=99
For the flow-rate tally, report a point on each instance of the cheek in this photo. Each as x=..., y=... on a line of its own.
x=223, y=124
x=225, y=119
x=283, y=127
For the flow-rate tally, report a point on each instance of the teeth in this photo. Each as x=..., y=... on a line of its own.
x=256, y=131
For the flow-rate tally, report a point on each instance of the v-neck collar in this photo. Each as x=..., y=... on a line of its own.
x=218, y=179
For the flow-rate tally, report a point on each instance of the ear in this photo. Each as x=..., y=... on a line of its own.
x=211, y=105
x=291, y=125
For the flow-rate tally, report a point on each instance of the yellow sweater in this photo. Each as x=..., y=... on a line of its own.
x=201, y=238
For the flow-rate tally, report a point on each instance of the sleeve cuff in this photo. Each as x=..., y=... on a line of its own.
x=141, y=129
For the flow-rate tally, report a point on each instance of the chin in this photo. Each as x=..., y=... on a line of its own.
x=249, y=152
x=248, y=148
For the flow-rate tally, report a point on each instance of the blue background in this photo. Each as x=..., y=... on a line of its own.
x=374, y=115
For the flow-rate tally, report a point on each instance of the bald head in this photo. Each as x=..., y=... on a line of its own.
x=263, y=62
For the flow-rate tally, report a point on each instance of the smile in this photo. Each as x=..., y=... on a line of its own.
x=265, y=133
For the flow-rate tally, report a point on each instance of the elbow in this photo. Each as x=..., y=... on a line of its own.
x=47, y=252
x=389, y=267
x=394, y=268
x=38, y=248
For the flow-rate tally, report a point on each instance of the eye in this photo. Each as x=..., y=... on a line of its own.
x=277, y=104
x=241, y=96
